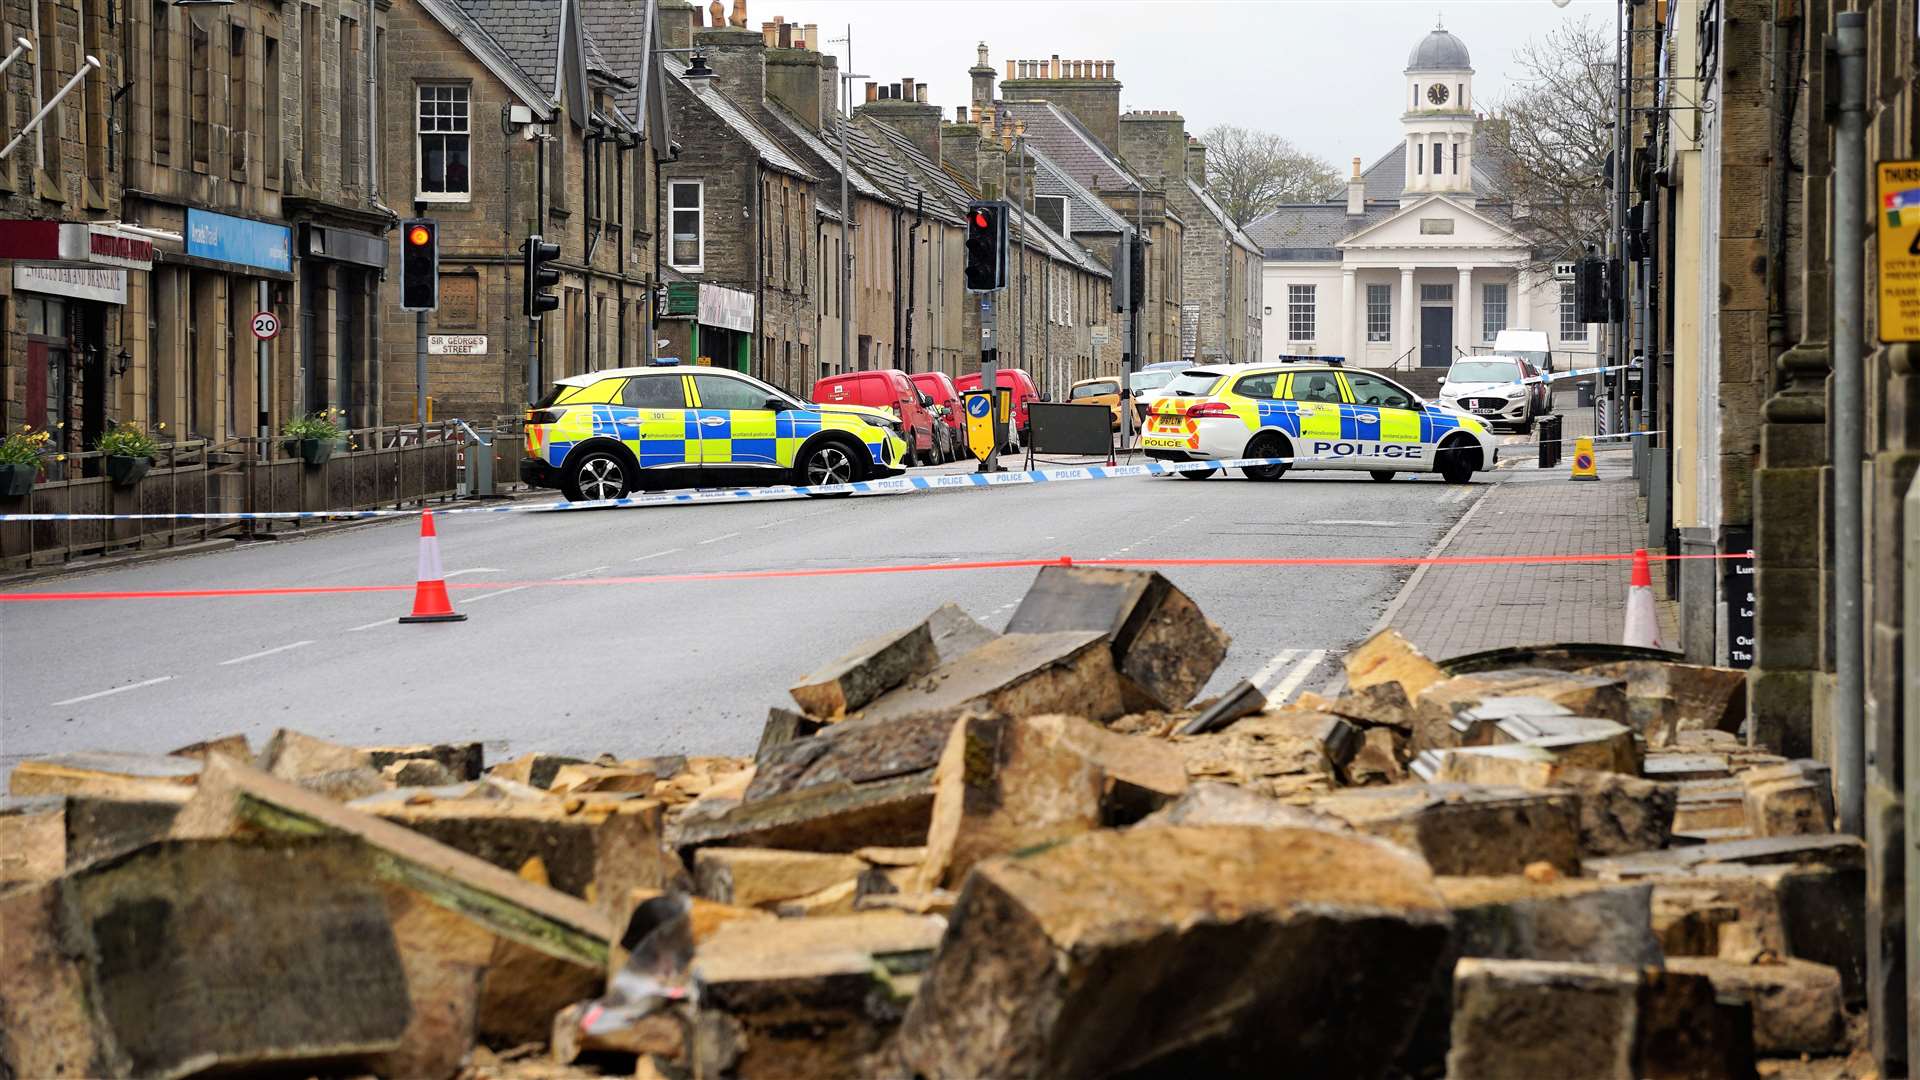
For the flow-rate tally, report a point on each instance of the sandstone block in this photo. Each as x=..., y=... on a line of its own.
x=784, y=726
x=445, y=956
x=871, y=668
x=1686, y=767
x=235, y=746
x=1666, y=699
x=1794, y=799
x=1796, y=1003
x=1841, y=852
x=1013, y=675
x=341, y=773
x=1582, y=695
x=1381, y=704
x=466, y=761
x=1223, y=804
x=956, y=633
x=1141, y=774
x=1176, y=948
x=188, y=932
x=1810, y=912
x=1378, y=760
x=44, y=836
x=759, y=877
x=1581, y=742
x=805, y=997
x=105, y=775
x=1386, y=657
x=1708, y=804
x=534, y=770
x=417, y=772
x=583, y=779
x=1620, y=813
x=1164, y=649
x=1467, y=829
x=1273, y=753
x=1004, y=784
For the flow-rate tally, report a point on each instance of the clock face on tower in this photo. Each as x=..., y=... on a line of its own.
x=1437, y=93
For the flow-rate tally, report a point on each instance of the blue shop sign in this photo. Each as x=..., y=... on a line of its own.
x=239, y=240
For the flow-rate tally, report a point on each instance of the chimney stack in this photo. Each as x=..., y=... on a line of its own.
x=1065, y=84
x=1356, y=192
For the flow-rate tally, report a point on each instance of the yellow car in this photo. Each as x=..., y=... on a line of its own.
x=601, y=435
x=1101, y=391
x=1322, y=417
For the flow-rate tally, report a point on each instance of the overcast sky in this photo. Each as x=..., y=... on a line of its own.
x=1324, y=73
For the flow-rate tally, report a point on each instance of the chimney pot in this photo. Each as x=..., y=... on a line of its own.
x=813, y=36
x=873, y=91
x=906, y=89
x=1009, y=69
x=960, y=114
x=786, y=35
x=1356, y=166
x=893, y=92
x=769, y=35
x=1054, y=69
x=920, y=93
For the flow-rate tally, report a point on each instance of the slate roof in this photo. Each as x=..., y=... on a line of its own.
x=950, y=197
x=491, y=51
x=866, y=155
x=1071, y=146
x=1086, y=211
x=528, y=31
x=827, y=157
x=1311, y=232
x=770, y=151
x=1387, y=177
x=617, y=35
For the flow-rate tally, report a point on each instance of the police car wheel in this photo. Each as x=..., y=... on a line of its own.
x=1382, y=475
x=1457, y=463
x=827, y=463
x=597, y=475
x=1266, y=446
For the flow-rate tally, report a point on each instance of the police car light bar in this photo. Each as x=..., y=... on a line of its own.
x=666, y=361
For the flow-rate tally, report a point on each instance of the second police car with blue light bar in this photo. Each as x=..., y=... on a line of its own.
x=1320, y=415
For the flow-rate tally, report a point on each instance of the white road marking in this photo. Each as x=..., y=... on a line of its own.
x=656, y=554
x=470, y=570
x=579, y=574
x=717, y=539
x=491, y=595
x=371, y=625
x=115, y=690
x=1298, y=675
x=263, y=652
x=1273, y=666
x=1373, y=524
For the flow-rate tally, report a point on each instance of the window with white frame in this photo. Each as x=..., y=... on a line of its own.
x=1571, y=329
x=1379, y=313
x=1300, y=312
x=445, y=143
x=686, y=199
x=1493, y=310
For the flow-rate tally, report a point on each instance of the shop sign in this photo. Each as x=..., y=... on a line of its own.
x=729, y=309
x=74, y=243
x=241, y=241
x=81, y=283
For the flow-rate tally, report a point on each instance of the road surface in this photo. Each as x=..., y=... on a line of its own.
x=579, y=665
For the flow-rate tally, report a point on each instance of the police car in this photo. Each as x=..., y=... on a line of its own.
x=1337, y=417
x=603, y=434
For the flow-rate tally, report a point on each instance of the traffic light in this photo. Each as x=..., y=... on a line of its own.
x=419, y=264
x=540, y=278
x=1590, y=290
x=986, y=246
x=1137, y=274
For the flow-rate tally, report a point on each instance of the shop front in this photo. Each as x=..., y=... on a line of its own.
x=338, y=322
x=708, y=324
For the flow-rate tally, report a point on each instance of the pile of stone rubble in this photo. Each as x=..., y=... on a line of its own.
x=961, y=853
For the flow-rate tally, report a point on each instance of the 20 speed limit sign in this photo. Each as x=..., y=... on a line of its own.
x=266, y=325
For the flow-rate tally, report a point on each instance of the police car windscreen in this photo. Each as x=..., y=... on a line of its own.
x=1484, y=371
x=1192, y=382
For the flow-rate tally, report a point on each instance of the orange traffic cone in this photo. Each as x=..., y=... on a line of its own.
x=430, y=602
x=1643, y=623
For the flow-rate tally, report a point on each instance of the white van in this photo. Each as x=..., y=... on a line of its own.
x=1531, y=345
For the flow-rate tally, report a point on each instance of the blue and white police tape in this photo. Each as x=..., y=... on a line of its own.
x=1574, y=373
x=891, y=486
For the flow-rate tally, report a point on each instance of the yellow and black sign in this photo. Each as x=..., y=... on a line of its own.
x=979, y=407
x=1898, y=217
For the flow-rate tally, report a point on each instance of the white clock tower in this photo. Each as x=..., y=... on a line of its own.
x=1439, y=120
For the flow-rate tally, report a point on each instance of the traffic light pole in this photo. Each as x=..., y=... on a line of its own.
x=990, y=376
x=420, y=370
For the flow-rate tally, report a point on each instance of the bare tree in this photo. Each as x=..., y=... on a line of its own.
x=1550, y=136
x=1251, y=172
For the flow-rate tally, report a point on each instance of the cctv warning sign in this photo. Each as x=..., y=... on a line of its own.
x=1897, y=221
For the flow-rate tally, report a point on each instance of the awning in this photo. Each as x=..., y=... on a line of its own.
x=75, y=244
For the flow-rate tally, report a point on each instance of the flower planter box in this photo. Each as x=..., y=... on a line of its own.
x=17, y=480
x=127, y=471
x=315, y=452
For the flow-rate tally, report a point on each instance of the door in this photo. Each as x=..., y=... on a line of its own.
x=1318, y=404
x=736, y=427
x=1383, y=420
x=655, y=422
x=1436, y=336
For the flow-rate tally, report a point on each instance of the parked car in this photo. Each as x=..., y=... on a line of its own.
x=938, y=386
x=887, y=388
x=1533, y=346
x=1024, y=391
x=1495, y=389
x=1150, y=383
x=1101, y=391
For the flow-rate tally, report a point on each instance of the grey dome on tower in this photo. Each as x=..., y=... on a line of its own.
x=1439, y=51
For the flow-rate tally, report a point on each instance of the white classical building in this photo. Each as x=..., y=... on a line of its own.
x=1419, y=261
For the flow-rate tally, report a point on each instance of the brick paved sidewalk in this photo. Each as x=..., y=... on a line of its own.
x=1449, y=610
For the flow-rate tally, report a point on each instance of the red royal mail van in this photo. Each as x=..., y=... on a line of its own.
x=884, y=389
x=938, y=386
x=1023, y=392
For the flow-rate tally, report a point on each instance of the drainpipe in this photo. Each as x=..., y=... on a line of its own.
x=620, y=258
x=1849, y=227
x=899, y=360
x=373, y=115
x=913, y=273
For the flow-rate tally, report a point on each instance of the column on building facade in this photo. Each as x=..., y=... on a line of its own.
x=1520, y=306
x=1409, y=316
x=1463, y=312
x=1353, y=343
